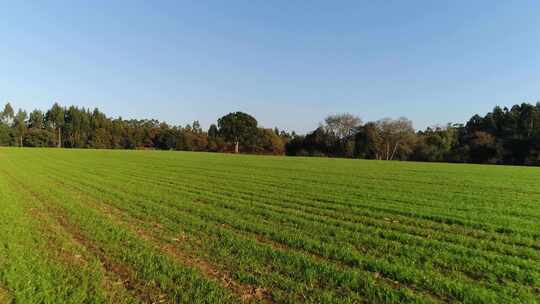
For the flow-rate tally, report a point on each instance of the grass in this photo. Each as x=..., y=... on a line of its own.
x=97, y=226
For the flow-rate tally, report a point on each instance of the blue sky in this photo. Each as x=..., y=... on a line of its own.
x=288, y=63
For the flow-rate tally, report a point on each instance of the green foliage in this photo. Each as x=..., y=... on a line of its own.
x=436, y=144
x=19, y=126
x=6, y=135
x=39, y=138
x=55, y=116
x=238, y=128
x=7, y=115
x=36, y=120
x=271, y=142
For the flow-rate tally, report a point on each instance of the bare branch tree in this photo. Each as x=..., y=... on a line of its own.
x=394, y=134
x=342, y=125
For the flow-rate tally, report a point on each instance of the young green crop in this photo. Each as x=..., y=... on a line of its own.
x=107, y=226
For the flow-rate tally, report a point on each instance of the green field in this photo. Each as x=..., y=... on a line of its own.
x=98, y=226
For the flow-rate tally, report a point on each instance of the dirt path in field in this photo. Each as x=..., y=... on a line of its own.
x=124, y=274
x=54, y=226
x=173, y=248
x=54, y=223
x=5, y=298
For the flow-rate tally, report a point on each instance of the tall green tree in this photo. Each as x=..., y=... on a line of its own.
x=368, y=141
x=213, y=131
x=36, y=119
x=55, y=117
x=435, y=144
x=19, y=125
x=270, y=142
x=238, y=128
x=7, y=115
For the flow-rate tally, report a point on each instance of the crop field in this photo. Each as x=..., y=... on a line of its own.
x=103, y=226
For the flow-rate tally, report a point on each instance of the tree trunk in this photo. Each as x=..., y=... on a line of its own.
x=394, y=151
x=20, y=141
x=236, y=147
x=59, y=138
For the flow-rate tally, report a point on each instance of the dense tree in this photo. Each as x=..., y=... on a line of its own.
x=368, y=141
x=6, y=130
x=435, y=144
x=100, y=139
x=320, y=142
x=386, y=139
x=39, y=138
x=483, y=147
x=77, y=127
x=36, y=120
x=216, y=143
x=6, y=135
x=213, y=131
x=504, y=136
x=19, y=126
x=270, y=142
x=56, y=119
x=196, y=127
x=238, y=128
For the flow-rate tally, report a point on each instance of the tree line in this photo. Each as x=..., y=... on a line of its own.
x=503, y=136
x=75, y=127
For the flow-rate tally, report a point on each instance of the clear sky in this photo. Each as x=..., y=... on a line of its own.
x=289, y=63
